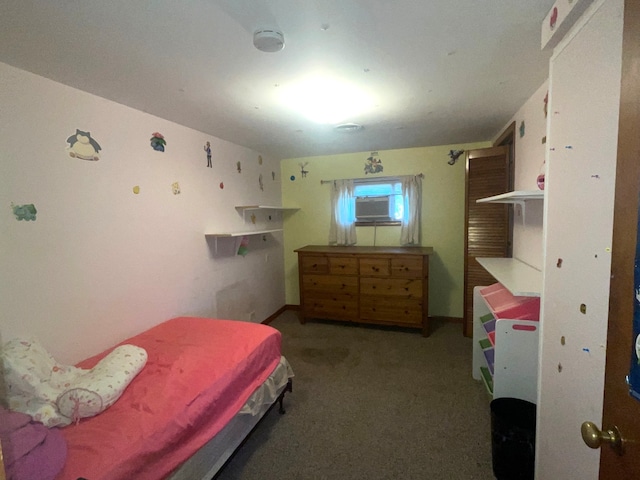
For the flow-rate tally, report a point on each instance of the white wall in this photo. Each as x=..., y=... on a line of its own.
x=530, y=155
x=101, y=263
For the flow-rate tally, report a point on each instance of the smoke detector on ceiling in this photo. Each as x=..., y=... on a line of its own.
x=268, y=40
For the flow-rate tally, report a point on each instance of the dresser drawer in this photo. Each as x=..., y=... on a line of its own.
x=398, y=287
x=330, y=284
x=314, y=264
x=407, y=266
x=343, y=265
x=338, y=306
x=375, y=266
x=391, y=310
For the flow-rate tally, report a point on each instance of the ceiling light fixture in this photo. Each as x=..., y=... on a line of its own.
x=325, y=99
x=268, y=40
x=348, y=127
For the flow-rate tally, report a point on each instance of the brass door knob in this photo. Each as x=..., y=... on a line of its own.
x=594, y=437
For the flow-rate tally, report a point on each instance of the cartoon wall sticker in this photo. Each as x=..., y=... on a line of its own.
x=175, y=187
x=303, y=172
x=136, y=189
x=243, y=248
x=207, y=148
x=260, y=184
x=373, y=165
x=239, y=167
x=81, y=145
x=24, y=212
x=158, y=142
x=454, y=155
x=546, y=103
x=259, y=159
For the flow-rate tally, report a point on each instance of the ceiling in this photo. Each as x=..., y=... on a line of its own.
x=438, y=71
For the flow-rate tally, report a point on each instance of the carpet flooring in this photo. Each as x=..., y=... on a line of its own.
x=372, y=403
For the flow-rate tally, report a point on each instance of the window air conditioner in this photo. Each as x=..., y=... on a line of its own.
x=372, y=208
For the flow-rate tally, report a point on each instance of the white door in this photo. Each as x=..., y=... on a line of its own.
x=584, y=100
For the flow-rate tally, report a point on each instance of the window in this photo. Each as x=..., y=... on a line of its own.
x=378, y=202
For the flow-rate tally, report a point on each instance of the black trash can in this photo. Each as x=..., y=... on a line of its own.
x=513, y=438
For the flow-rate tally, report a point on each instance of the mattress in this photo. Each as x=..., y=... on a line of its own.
x=199, y=374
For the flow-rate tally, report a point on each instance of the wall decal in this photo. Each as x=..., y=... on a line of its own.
x=243, y=247
x=221, y=185
x=303, y=172
x=24, y=212
x=175, y=187
x=260, y=184
x=554, y=18
x=522, y=129
x=207, y=148
x=158, y=142
x=373, y=165
x=454, y=155
x=81, y=145
x=546, y=103
x=239, y=167
x=136, y=189
x=259, y=159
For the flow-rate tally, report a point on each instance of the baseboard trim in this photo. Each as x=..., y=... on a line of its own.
x=448, y=319
x=296, y=308
x=273, y=316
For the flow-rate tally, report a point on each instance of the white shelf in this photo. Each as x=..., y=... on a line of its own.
x=242, y=234
x=517, y=277
x=250, y=208
x=264, y=207
x=518, y=197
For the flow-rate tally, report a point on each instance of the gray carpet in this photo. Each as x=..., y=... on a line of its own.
x=372, y=403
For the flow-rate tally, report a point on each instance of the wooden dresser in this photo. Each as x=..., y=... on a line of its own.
x=383, y=285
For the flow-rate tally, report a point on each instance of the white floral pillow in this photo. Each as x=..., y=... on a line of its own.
x=97, y=389
x=56, y=394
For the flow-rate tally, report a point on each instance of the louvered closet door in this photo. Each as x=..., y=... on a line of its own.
x=487, y=231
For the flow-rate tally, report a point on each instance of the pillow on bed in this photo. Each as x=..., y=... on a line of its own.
x=57, y=394
x=34, y=380
x=97, y=389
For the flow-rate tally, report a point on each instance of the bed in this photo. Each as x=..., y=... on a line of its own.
x=205, y=386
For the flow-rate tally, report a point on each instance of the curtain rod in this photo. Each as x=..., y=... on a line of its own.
x=373, y=179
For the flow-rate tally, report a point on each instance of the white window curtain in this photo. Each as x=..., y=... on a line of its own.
x=412, y=198
x=343, y=215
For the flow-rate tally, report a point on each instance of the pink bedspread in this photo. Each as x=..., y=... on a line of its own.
x=198, y=375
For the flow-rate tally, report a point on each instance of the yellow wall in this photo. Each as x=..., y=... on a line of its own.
x=442, y=214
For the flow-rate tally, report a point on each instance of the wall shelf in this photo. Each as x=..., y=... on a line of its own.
x=237, y=235
x=249, y=208
x=518, y=277
x=519, y=197
x=264, y=207
x=242, y=234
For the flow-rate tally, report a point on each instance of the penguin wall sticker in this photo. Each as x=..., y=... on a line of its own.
x=82, y=146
